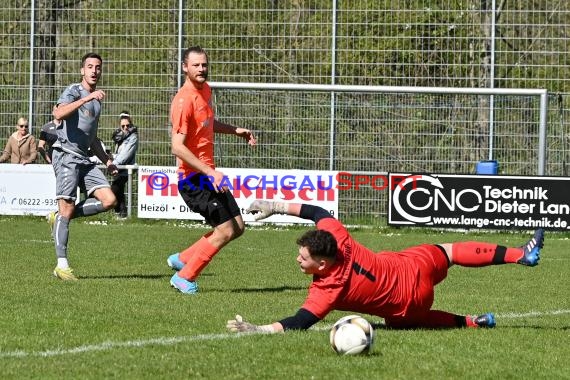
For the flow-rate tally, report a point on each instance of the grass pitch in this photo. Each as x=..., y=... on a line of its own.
x=122, y=319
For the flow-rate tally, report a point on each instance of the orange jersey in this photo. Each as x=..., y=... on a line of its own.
x=383, y=284
x=191, y=113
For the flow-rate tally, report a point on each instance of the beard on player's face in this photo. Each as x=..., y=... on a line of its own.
x=201, y=77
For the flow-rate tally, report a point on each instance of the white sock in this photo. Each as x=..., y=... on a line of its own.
x=62, y=263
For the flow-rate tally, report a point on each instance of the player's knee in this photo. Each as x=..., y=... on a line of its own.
x=109, y=202
x=238, y=231
x=66, y=209
x=234, y=233
x=239, y=227
x=448, y=250
x=230, y=232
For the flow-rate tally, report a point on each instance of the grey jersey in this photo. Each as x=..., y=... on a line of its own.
x=80, y=128
x=49, y=133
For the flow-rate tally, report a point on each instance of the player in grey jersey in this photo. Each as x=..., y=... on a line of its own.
x=80, y=106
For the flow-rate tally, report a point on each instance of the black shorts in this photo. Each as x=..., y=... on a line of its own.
x=200, y=197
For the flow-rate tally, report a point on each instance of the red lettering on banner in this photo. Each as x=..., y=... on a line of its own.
x=270, y=193
x=284, y=193
x=239, y=188
x=287, y=193
x=173, y=187
x=398, y=179
x=360, y=180
x=323, y=193
x=344, y=183
x=170, y=190
x=303, y=194
x=374, y=182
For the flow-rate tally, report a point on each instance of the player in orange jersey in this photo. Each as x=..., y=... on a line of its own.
x=397, y=286
x=200, y=184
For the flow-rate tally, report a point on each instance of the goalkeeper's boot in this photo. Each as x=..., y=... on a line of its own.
x=65, y=274
x=483, y=320
x=531, y=250
x=183, y=285
x=174, y=261
x=50, y=218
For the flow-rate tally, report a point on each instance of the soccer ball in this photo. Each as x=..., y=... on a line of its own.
x=352, y=335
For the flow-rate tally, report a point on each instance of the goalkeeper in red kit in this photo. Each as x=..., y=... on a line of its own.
x=396, y=286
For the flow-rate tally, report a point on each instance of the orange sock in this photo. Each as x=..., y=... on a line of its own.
x=477, y=254
x=185, y=255
x=202, y=254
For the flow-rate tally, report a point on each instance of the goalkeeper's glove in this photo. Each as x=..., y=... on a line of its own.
x=238, y=325
x=264, y=209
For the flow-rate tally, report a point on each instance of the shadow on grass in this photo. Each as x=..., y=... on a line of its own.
x=136, y=276
x=128, y=276
x=272, y=290
x=535, y=327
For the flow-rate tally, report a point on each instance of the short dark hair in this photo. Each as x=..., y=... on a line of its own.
x=90, y=55
x=320, y=243
x=193, y=49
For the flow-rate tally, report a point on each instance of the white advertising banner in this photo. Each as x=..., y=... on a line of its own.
x=27, y=189
x=158, y=196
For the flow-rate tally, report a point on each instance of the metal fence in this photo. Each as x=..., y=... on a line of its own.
x=448, y=43
x=374, y=130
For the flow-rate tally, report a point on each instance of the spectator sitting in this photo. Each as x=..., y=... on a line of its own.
x=21, y=145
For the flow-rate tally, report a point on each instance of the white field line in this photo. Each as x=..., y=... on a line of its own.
x=531, y=314
x=165, y=341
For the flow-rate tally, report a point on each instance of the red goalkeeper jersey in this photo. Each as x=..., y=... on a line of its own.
x=383, y=284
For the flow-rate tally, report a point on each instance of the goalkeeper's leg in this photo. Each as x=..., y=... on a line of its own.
x=437, y=319
x=477, y=254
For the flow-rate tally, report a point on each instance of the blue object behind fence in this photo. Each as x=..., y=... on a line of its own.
x=487, y=167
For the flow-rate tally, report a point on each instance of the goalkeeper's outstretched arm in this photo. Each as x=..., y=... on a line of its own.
x=300, y=321
x=264, y=209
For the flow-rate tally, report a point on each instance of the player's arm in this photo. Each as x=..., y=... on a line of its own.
x=264, y=209
x=63, y=110
x=41, y=147
x=98, y=150
x=300, y=321
x=228, y=129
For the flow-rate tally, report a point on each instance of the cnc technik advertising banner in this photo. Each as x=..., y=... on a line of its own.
x=158, y=196
x=479, y=201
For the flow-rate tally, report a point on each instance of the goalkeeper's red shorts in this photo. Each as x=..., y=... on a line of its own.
x=433, y=264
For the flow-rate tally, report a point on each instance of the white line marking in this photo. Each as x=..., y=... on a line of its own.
x=37, y=241
x=165, y=341
x=531, y=314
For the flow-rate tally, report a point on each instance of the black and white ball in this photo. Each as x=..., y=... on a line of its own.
x=352, y=335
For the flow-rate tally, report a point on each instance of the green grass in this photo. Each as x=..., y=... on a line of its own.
x=122, y=320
